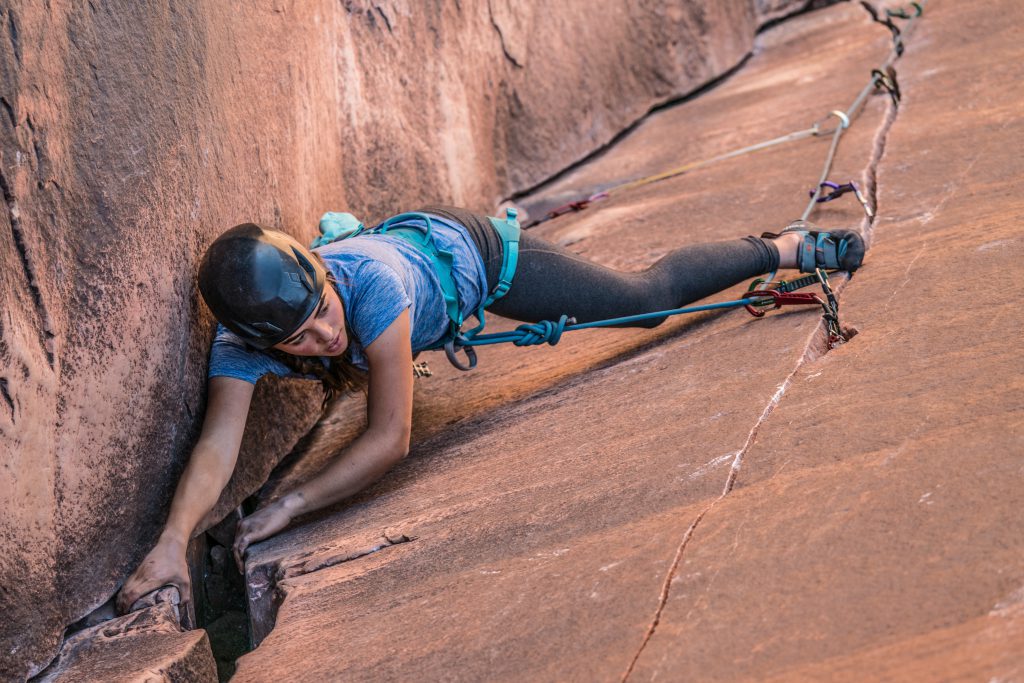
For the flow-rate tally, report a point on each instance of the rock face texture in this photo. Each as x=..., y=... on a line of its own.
x=146, y=645
x=133, y=133
x=718, y=499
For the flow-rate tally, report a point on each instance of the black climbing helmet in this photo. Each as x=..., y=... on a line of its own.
x=260, y=283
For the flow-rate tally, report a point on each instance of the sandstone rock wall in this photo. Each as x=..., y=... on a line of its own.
x=716, y=499
x=132, y=133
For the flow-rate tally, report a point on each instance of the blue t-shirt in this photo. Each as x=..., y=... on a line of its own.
x=378, y=277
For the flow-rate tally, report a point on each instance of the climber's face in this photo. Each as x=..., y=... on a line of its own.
x=323, y=333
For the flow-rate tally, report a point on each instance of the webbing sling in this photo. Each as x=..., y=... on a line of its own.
x=508, y=230
x=420, y=237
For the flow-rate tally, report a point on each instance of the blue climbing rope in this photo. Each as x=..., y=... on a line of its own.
x=551, y=331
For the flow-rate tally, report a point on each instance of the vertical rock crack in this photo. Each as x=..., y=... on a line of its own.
x=811, y=352
x=14, y=216
x=501, y=37
x=877, y=152
x=730, y=481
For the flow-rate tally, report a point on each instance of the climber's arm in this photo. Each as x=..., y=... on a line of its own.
x=378, y=449
x=208, y=470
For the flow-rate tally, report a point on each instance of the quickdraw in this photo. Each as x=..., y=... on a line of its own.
x=897, y=39
x=837, y=191
x=887, y=21
x=831, y=314
x=780, y=297
x=770, y=299
x=902, y=13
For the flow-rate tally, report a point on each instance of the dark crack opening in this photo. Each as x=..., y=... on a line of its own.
x=218, y=592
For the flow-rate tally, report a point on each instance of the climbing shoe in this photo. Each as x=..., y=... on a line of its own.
x=832, y=250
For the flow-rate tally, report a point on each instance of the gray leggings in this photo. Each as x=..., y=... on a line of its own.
x=551, y=281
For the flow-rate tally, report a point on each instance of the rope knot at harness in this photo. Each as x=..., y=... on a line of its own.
x=543, y=332
x=528, y=334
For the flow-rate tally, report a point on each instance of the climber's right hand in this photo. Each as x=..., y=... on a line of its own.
x=165, y=565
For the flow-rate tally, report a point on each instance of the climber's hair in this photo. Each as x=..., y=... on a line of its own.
x=338, y=377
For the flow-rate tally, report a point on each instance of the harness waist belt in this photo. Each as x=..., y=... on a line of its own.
x=420, y=237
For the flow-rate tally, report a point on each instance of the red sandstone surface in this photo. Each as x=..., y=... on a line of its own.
x=711, y=500
x=132, y=133
x=718, y=499
x=146, y=645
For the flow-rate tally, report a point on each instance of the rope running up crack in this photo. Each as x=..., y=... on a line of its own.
x=884, y=77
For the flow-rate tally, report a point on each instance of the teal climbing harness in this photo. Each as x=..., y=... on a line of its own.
x=417, y=229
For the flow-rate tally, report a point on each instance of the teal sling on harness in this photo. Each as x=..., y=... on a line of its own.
x=339, y=226
x=508, y=229
x=420, y=237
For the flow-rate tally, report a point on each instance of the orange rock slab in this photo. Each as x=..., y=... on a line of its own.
x=131, y=134
x=875, y=531
x=533, y=529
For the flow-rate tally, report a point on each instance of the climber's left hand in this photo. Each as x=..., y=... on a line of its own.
x=258, y=526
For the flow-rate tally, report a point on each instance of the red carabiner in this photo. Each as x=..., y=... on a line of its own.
x=780, y=299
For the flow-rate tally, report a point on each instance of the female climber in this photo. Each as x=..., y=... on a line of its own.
x=354, y=312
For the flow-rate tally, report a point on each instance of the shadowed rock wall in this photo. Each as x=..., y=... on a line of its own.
x=133, y=133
